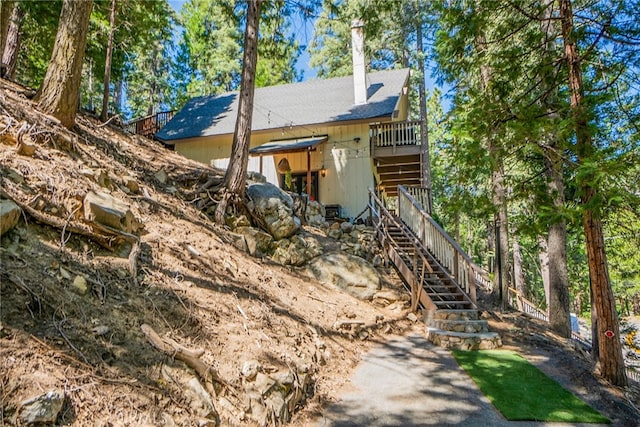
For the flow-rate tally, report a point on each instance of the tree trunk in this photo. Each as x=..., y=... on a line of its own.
x=499, y=195
x=104, y=114
x=118, y=95
x=543, y=256
x=501, y=281
x=59, y=93
x=559, y=310
x=12, y=42
x=424, y=126
x=5, y=12
x=610, y=350
x=236, y=176
x=518, y=272
x=557, y=288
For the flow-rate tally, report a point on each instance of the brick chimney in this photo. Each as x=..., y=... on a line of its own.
x=359, y=73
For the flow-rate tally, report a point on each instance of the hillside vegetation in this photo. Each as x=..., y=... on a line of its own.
x=171, y=324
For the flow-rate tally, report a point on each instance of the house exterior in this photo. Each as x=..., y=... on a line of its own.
x=334, y=137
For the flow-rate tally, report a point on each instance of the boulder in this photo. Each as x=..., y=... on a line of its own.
x=258, y=242
x=315, y=214
x=272, y=209
x=9, y=215
x=237, y=221
x=334, y=231
x=43, y=408
x=105, y=209
x=346, y=227
x=296, y=250
x=353, y=274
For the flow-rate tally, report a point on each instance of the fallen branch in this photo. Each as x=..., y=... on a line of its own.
x=58, y=326
x=57, y=222
x=108, y=121
x=135, y=247
x=191, y=357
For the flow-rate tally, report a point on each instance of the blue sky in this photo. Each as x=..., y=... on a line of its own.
x=303, y=32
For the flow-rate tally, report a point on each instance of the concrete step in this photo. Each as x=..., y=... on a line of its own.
x=444, y=314
x=468, y=326
x=463, y=340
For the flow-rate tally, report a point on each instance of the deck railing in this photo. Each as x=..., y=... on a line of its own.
x=522, y=304
x=148, y=126
x=421, y=196
x=394, y=133
x=382, y=219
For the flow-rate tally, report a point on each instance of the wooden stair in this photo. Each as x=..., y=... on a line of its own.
x=434, y=281
x=451, y=316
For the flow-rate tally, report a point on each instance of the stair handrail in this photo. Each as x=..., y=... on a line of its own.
x=378, y=209
x=375, y=202
x=441, y=245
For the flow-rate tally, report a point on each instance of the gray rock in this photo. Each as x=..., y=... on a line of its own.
x=335, y=233
x=296, y=250
x=258, y=242
x=315, y=214
x=80, y=284
x=161, y=176
x=346, y=227
x=42, y=409
x=263, y=383
x=105, y=209
x=239, y=241
x=272, y=210
x=278, y=406
x=250, y=369
x=205, y=403
x=255, y=177
x=237, y=221
x=350, y=273
x=9, y=215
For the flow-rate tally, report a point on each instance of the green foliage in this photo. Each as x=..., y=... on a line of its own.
x=387, y=36
x=511, y=88
x=148, y=69
x=39, y=27
x=210, y=49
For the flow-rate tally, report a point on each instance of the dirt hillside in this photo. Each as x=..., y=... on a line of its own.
x=72, y=311
x=170, y=325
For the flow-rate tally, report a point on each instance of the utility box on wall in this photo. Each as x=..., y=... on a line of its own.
x=332, y=212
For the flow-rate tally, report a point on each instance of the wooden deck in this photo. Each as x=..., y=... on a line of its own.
x=150, y=125
x=397, y=153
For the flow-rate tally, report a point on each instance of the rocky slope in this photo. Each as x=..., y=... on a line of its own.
x=158, y=318
x=161, y=321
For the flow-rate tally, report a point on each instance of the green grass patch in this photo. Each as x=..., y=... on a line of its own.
x=520, y=391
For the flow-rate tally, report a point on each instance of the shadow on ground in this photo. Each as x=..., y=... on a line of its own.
x=409, y=382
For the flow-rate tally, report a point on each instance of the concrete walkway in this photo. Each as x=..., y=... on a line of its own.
x=409, y=382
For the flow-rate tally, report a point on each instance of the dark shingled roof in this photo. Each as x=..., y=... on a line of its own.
x=295, y=104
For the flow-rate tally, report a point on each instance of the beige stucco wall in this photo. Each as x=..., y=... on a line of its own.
x=347, y=162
